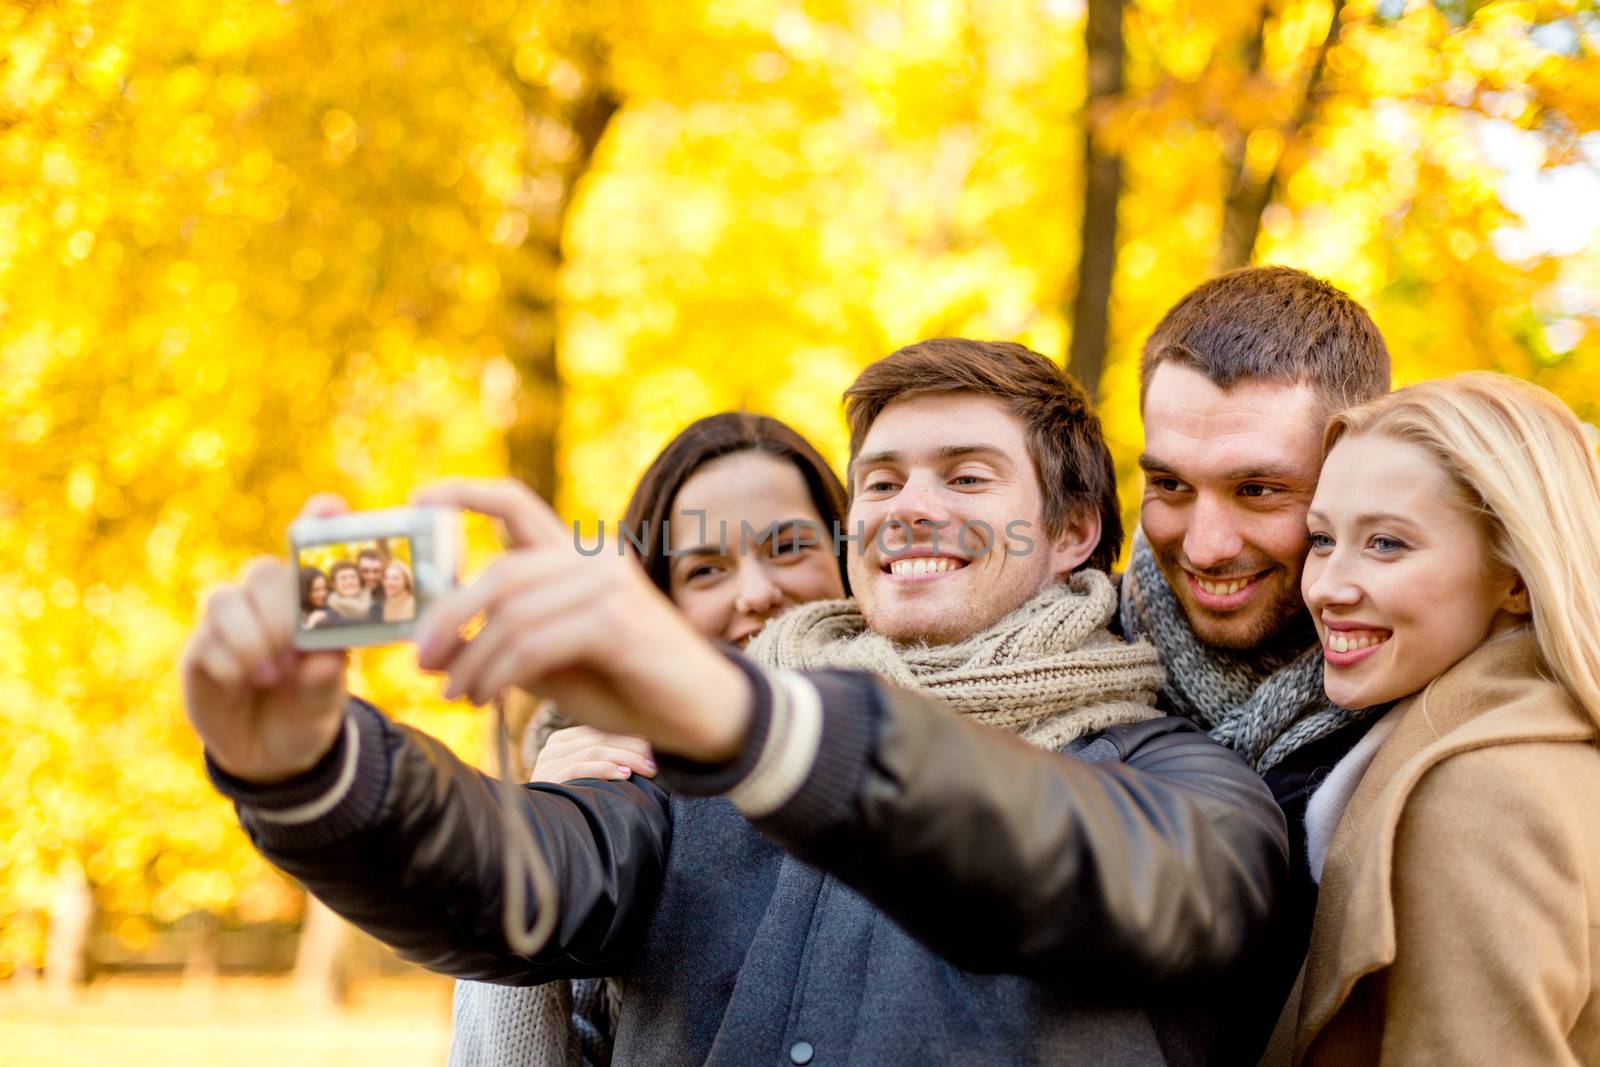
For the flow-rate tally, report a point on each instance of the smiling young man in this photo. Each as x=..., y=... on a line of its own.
x=1237, y=383
x=970, y=501
x=1009, y=858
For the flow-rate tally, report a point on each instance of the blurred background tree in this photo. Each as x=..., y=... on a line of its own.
x=254, y=249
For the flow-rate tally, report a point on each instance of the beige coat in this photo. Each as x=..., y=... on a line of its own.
x=1459, y=916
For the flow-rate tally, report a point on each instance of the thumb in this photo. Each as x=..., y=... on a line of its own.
x=321, y=674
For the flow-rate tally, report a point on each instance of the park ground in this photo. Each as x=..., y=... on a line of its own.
x=397, y=1021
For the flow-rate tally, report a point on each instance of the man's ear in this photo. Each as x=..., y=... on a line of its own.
x=1077, y=542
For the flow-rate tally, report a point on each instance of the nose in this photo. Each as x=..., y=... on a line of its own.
x=919, y=503
x=758, y=593
x=1329, y=581
x=1212, y=539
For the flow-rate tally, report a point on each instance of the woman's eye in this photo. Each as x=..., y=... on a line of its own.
x=1321, y=542
x=1381, y=543
x=701, y=571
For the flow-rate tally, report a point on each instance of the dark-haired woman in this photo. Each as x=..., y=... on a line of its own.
x=748, y=509
x=313, y=596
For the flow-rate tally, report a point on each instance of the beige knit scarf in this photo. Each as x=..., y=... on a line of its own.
x=351, y=607
x=1050, y=671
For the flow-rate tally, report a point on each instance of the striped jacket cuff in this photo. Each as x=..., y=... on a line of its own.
x=809, y=741
x=335, y=798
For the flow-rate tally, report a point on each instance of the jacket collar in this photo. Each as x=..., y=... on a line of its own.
x=1501, y=693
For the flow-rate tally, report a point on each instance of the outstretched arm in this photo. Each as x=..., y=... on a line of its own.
x=406, y=841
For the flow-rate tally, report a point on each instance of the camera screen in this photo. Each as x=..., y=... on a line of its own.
x=348, y=583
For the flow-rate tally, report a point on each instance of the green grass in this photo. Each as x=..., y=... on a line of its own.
x=231, y=1022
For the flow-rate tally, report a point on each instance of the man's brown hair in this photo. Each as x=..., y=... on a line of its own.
x=1065, y=442
x=1273, y=324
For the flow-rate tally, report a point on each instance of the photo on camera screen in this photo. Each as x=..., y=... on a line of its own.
x=351, y=583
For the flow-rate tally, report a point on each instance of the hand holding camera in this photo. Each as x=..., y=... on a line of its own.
x=264, y=711
x=591, y=633
x=264, y=676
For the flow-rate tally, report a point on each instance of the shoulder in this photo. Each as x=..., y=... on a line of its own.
x=1509, y=784
x=1165, y=734
x=1522, y=813
x=1176, y=750
x=1502, y=835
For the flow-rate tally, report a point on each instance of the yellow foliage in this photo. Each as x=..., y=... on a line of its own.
x=256, y=250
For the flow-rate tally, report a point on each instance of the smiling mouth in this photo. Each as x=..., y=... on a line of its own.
x=918, y=566
x=1223, y=594
x=1354, y=640
x=1227, y=588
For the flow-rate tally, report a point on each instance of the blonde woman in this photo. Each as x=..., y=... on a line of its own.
x=1455, y=569
x=399, y=597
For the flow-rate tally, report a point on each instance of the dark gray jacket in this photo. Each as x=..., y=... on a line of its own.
x=933, y=891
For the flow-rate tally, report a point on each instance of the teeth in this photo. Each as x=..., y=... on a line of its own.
x=1355, y=640
x=1223, y=588
x=923, y=565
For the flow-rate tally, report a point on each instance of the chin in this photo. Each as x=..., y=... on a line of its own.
x=1344, y=695
x=1366, y=692
x=908, y=628
x=1264, y=624
x=1235, y=635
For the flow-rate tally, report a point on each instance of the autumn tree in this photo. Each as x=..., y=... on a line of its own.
x=248, y=253
x=251, y=250
x=1102, y=191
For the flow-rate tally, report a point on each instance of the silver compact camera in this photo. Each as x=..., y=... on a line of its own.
x=365, y=577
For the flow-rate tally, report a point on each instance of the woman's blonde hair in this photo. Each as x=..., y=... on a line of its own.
x=1523, y=461
x=410, y=588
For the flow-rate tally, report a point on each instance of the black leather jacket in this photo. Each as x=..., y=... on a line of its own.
x=1126, y=881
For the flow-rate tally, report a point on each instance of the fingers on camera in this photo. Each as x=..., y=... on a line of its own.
x=516, y=592
x=528, y=519
x=551, y=625
x=238, y=649
x=322, y=505
x=245, y=634
x=270, y=584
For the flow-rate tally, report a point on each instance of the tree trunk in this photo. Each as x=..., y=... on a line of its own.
x=66, y=948
x=531, y=439
x=321, y=971
x=1102, y=186
x=1253, y=187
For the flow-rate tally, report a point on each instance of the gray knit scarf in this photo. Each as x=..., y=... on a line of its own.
x=1051, y=671
x=1264, y=706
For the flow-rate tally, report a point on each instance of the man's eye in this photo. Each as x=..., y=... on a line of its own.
x=880, y=486
x=968, y=479
x=1255, y=491
x=1167, y=485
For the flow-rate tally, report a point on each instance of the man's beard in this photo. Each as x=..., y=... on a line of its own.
x=1283, y=623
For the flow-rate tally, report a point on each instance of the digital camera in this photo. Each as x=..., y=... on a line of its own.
x=365, y=577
